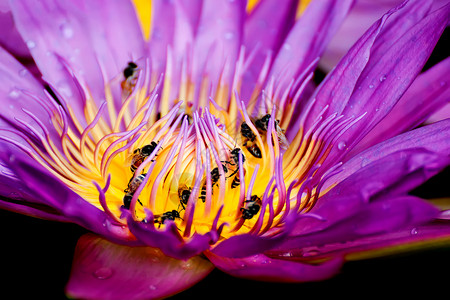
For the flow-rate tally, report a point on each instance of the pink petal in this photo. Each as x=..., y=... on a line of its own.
x=261, y=267
x=84, y=35
x=429, y=92
x=104, y=270
x=308, y=38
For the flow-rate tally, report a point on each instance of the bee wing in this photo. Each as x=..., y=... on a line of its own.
x=130, y=160
x=282, y=140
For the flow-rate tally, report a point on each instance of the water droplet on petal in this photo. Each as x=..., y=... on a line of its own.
x=66, y=30
x=382, y=78
x=30, y=44
x=152, y=287
x=229, y=35
x=23, y=72
x=414, y=231
x=286, y=46
x=371, y=86
x=103, y=273
x=342, y=145
x=14, y=94
x=186, y=265
x=15, y=195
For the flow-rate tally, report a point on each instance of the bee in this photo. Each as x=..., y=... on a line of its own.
x=140, y=154
x=169, y=215
x=250, y=140
x=130, y=73
x=127, y=200
x=235, y=162
x=262, y=124
x=252, y=207
x=203, y=193
x=215, y=176
x=134, y=183
x=184, y=193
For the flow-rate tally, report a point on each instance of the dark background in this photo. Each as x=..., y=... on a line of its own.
x=36, y=257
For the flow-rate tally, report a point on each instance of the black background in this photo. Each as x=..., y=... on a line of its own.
x=36, y=257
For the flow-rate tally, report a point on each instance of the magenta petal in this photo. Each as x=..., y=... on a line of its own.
x=244, y=245
x=389, y=73
x=308, y=38
x=434, y=137
x=104, y=270
x=265, y=29
x=10, y=39
x=394, y=174
x=218, y=40
x=379, y=217
x=429, y=92
x=85, y=35
x=261, y=267
x=41, y=191
x=370, y=79
x=168, y=239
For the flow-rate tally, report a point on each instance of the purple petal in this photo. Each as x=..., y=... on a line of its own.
x=261, y=267
x=382, y=216
x=354, y=88
x=394, y=174
x=10, y=38
x=244, y=245
x=429, y=92
x=218, y=40
x=434, y=137
x=308, y=38
x=104, y=270
x=41, y=191
x=390, y=71
x=169, y=239
x=265, y=29
x=409, y=238
x=86, y=36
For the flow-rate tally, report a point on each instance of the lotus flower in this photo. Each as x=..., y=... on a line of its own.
x=207, y=147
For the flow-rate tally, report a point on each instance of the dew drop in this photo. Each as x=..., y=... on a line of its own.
x=14, y=94
x=311, y=253
x=286, y=46
x=30, y=44
x=66, y=31
x=371, y=86
x=342, y=145
x=23, y=72
x=15, y=195
x=152, y=287
x=186, y=265
x=414, y=231
x=103, y=273
x=382, y=78
x=229, y=35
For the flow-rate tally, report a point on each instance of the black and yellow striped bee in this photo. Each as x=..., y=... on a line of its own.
x=169, y=215
x=251, y=208
x=130, y=74
x=235, y=162
x=250, y=140
x=184, y=193
x=215, y=176
x=262, y=124
x=140, y=154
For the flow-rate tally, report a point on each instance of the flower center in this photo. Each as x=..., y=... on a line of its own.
x=195, y=160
